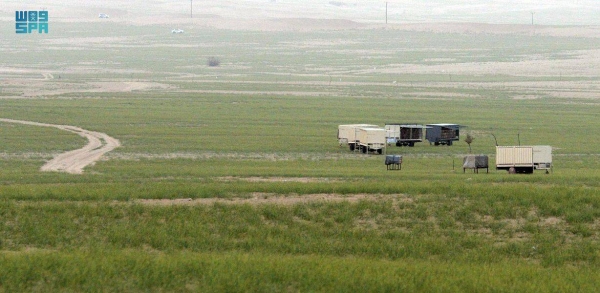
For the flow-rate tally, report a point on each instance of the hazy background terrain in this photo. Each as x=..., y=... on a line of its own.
x=551, y=12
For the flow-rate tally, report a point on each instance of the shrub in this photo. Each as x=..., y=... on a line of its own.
x=213, y=61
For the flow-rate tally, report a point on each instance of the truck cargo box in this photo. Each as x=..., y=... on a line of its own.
x=523, y=159
x=514, y=156
x=371, y=139
x=347, y=133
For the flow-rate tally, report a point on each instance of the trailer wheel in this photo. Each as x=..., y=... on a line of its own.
x=398, y=144
x=364, y=149
x=411, y=144
x=380, y=151
x=449, y=143
x=436, y=143
x=351, y=147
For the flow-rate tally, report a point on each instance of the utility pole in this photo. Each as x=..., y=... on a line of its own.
x=191, y=8
x=386, y=12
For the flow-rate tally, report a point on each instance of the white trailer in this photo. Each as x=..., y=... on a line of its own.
x=404, y=134
x=347, y=134
x=371, y=139
x=524, y=159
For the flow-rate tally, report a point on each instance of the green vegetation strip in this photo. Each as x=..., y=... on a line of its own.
x=383, y=227
x=141, y=271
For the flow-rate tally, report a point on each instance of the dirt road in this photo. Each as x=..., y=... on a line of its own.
x=74, y=161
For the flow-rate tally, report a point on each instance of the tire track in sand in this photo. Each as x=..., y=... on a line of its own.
x=74, y=161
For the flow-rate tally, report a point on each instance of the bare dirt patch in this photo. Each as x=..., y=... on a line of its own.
x=279, y=179
x=552, y=221
x=271, y=198
x=37, y=83
x=525, y=97
x=440, y=94
x=208, y=155
x=578, y=64
x=280, y=93
x=499, y=29
x=128, y=86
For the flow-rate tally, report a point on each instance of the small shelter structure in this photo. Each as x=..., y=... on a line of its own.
x=476, y=162
x=393, y=162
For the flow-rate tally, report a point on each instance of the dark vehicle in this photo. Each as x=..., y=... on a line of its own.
x=443, y=133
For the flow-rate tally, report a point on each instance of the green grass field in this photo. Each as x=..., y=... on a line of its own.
x=267, y=118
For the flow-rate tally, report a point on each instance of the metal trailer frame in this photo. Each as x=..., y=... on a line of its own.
x=405, y=134
x=443, y=133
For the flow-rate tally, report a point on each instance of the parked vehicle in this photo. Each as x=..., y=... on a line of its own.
x=371, y=139
x=524, y=159
x=347, y=134
x=443, y=133
x=406, y=134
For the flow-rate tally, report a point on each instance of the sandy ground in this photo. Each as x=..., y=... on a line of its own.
x=74, y=161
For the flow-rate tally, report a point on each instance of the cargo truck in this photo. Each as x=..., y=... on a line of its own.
x=524, y=159
x=404, y=134
x=347, y=134
x=443, y=133
x=371, y=139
